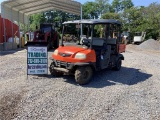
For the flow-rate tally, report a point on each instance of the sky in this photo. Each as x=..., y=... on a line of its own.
x=135, y=2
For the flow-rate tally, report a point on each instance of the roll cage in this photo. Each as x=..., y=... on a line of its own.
x=108, y=28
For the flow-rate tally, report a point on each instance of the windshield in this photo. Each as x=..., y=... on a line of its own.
x=46, y=29
x=137, y=34
x=72, y=32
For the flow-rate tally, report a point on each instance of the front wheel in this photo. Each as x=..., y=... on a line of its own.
x=83, y=75
x=53, y=71
x=118, y=65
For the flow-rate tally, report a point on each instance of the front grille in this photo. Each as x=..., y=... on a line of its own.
x=65, y=54
x=62, y=64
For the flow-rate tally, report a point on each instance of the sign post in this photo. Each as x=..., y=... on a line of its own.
x=37, y=60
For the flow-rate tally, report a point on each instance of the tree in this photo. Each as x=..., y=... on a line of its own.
x=111, y=16
x=116, y=6
x=90, y=10
x=133, y=20
x=152, y=15
x=126, y=4
x=120, y=5
x=35, y=20
x=103, y=6
x=138, y=19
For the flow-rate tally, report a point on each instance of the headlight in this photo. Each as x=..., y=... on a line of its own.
x=55, y=52
x=80, y=56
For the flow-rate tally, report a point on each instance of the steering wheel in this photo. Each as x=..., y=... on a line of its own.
x=86, y=42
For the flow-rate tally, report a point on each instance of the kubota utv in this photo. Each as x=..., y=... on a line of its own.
x=98, y=48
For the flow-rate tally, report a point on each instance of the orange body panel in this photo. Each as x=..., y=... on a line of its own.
x=73, y=50
x=122, y=48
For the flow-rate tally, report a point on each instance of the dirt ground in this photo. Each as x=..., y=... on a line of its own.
x=133, y=93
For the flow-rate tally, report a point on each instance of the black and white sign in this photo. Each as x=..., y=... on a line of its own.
x=37, y=60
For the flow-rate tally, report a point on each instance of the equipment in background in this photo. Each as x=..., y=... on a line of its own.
x=139, y=37
x=46, y=34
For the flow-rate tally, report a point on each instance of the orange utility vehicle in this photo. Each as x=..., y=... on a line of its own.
x=91, y=52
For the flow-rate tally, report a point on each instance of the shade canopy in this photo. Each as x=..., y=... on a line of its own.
x=94, y=21
x=20, y=10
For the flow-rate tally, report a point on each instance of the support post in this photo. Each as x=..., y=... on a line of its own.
x=81, y=24
x=12, y=29
x=19, y=31
x=4, y=23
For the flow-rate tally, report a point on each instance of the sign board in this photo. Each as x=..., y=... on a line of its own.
x=37, y=60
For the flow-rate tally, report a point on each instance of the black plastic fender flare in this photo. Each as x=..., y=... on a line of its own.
x=120, y=56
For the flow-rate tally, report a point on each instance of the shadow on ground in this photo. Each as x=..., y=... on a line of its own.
x=7, y=52
x=126, y=76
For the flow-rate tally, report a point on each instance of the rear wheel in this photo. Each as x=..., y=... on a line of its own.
x=118, y=65
x=53, y=71
x=83, y=75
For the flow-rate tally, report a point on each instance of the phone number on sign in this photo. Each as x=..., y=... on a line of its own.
x=37, y=66
x=37, y=61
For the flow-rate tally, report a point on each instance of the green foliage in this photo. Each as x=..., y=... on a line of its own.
x=90, y=10
x=116, y=6
x=35, y=20
x=134, y=19
x=111, y=16
x=126, y=4
x=120, y=5
x=103, y=6
x=138, y=19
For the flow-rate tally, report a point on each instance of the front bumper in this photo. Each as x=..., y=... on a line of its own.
x=67, y=67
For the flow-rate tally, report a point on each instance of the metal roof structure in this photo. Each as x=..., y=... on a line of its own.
x=0, y=8
x=20, y=10
x=94, y=21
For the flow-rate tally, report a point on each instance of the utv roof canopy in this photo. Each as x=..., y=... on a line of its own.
x=94, y=21
x=20, y=10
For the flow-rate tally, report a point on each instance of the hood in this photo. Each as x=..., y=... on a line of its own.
x=71, y=49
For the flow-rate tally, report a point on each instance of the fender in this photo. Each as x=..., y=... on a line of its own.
x=120, y=56
x=93, y=65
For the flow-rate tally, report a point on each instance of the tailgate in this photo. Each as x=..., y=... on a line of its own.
x=122, y=48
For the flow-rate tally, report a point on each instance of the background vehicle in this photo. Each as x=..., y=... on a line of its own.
x=127, y=37
x=139, y=37
x=91, y=52
x=45, y=35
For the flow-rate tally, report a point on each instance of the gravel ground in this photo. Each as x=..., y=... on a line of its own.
x=133, y=93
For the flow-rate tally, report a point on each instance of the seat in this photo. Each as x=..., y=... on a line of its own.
x=113, y=43
x=98, y=41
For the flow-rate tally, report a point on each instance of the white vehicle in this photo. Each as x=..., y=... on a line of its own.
x=139, y=37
